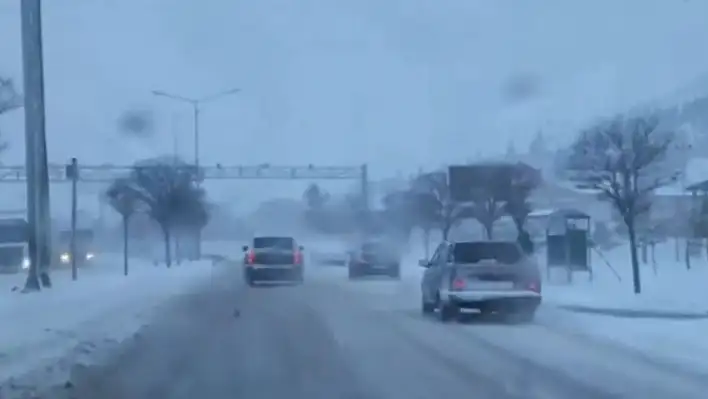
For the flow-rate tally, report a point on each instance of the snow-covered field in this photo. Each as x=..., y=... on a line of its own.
x=42, y=335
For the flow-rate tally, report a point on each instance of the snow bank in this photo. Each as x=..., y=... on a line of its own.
x=681, y=343
x=77, y=321
x=667, y=286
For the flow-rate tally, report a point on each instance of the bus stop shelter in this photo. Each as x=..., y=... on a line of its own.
x=567, y=242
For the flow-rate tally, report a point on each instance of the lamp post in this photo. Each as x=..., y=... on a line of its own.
x=196, y=104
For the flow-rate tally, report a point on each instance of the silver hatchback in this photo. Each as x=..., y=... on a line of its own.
x=488, y=276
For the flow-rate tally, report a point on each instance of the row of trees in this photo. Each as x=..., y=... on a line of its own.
x=332, y=215
x=428, y=204
x=166, y=190
x=435, y=207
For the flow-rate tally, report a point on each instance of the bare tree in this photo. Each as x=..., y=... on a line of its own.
x=399, y=207
x=315, y=197
x=487, y=209
x=192, y=212
x=524, y=181
x=124, y=199
x=167, y=188
x=436, y=205
x=10, y=100
x=623, y=160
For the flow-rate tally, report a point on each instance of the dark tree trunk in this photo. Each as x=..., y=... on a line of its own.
x=645, y=252
x=446, y=231
x=178, y=247
x=44, y=267
x=519, y=224
x=489, y=229
x=125, y=246
x=32, y=283
x=636, y=277
x=168, y=245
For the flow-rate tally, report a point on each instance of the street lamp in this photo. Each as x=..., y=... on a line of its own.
x=196, y=104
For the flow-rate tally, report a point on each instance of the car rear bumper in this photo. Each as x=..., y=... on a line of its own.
x=273, y=272
x=493, y=300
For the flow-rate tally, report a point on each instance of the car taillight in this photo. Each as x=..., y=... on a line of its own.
x=297, y=257
x=458, y=284
x=251, y=257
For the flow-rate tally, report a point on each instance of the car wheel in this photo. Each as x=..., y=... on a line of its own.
x=249, y=280
x=427, y=308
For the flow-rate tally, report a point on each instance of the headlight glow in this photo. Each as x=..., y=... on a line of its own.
x=89, y=255
x=65, y=258
x=25, y=263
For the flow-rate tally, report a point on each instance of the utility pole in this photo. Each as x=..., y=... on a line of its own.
x=35, y=147
x=175, y=139
x=196, y=104
x=197, y=138
x=72, y=172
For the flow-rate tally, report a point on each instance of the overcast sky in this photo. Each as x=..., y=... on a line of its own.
x=396, y=83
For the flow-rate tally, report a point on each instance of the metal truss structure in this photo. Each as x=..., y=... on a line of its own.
x=108, y=173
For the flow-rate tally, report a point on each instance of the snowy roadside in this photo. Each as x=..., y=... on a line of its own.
x=667, y=286
x=664, y=323
x=45, y=334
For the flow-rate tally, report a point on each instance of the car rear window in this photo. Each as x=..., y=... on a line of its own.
x=473, y=252
x=274, y=242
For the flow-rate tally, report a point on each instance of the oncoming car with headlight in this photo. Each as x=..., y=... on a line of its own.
x=83, y=247
x=65, y=257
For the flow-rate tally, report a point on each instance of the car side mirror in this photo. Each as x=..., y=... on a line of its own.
x=301, y=248
x=245, y=248
x=424, y=263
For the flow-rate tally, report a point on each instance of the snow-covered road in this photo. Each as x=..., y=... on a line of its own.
x=332, y=338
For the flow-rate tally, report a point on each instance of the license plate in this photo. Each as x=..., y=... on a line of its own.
x=490, y=285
